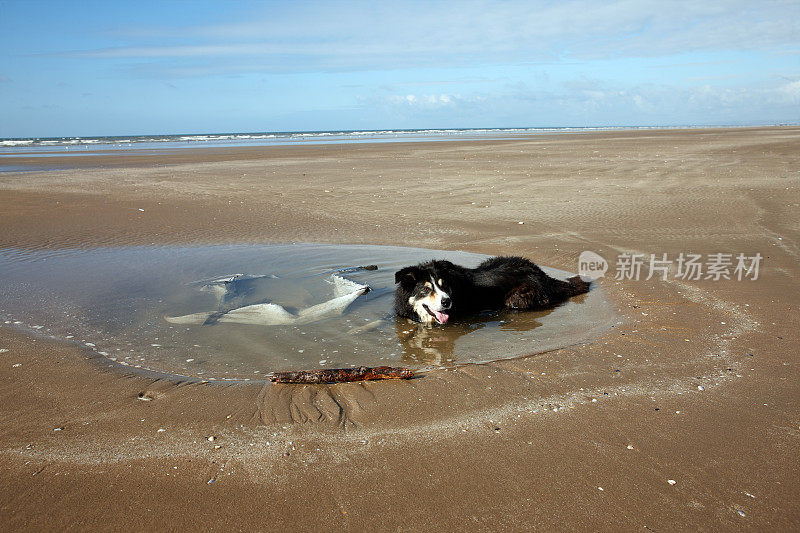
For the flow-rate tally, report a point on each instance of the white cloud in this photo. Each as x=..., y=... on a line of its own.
x=369, y=35
x=646, y=104
x=418, y=101
x=642, y=103
x=790, y=91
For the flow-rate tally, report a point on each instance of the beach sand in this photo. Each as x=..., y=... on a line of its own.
x=684, y=416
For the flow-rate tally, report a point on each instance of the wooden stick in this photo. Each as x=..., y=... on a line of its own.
x=341, y=375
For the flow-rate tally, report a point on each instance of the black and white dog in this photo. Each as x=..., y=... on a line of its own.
x=434, y=292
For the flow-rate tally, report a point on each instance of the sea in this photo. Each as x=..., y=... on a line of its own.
x=52, y=146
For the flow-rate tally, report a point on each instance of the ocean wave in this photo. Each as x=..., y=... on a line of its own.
x=30, y=145
x=14, y=142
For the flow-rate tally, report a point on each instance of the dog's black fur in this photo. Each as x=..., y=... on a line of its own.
x=497, y=283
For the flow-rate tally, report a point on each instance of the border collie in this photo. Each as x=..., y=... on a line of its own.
x=434, y=292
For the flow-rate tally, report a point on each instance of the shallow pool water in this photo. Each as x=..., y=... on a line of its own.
x=243, y=311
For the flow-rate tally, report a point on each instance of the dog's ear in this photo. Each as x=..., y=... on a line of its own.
x=408, y=275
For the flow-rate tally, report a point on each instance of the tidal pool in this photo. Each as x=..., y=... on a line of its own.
x=244, y=311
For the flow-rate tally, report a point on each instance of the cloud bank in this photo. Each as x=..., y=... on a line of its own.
x=301, y=37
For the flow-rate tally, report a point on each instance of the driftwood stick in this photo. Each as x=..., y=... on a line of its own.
x=341, y=375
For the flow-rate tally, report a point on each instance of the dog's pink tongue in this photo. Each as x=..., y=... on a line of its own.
x=441, y=317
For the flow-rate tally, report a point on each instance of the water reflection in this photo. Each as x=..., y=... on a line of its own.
x=435, y=344
x=144, y=307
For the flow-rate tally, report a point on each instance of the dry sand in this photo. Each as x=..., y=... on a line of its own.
x=698, y=385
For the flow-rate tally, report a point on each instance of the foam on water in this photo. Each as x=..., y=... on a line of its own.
x=98, y=145
x=243, y=311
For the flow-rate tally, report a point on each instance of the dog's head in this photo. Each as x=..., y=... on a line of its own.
x=425, y=291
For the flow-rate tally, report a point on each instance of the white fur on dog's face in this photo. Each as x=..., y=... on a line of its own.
x=427, y=302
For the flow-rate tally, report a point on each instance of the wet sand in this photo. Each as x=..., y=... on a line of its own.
x=698, y=385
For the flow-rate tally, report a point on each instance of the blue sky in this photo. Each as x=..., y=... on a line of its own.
x=123, y=68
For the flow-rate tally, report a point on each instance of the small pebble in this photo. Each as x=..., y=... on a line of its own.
x=740, y=512
x=600, y=488
x=3, y=350
x=630, y=447
x=212, y=480
x=700, y=387
x=161, y=430
x=212, y=438
x=671, y=481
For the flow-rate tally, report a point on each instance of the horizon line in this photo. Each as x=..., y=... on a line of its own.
x=402, y=130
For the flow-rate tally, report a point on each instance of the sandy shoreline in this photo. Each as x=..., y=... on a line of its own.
x=509, y=445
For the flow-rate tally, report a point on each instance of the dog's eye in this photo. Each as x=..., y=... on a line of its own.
x=425, y=290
